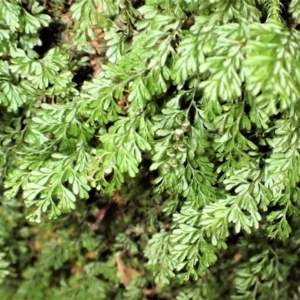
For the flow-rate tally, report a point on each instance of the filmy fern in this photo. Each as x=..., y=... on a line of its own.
x=193, y=118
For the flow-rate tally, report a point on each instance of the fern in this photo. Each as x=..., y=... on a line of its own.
x=179, y=149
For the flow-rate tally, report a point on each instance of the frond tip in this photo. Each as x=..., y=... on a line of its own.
x=274, y=9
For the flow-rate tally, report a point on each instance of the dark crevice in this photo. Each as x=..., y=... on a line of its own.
x=82, y=74
x=50, y=36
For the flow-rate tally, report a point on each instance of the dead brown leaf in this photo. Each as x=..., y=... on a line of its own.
x=237, y=256
x=37, y=245
x=117, y=198
x=66, y=19
x=96, y=65
x=126, y=274
x=75, y=269
x=124, y=104
x=99, y=217
x=153, y=291
x=95, y=44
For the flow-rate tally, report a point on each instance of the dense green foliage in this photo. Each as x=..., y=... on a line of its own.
x=167, y=131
